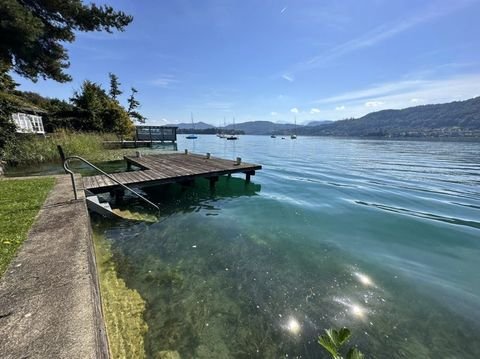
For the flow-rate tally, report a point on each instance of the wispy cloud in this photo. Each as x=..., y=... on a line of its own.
x=314, y=111
x=374, y=103
x=294, y=110
x=288, y=77
x=379, y=34
x=402, y=94
x=273, y=113
x=375, y=90
x=164, y=81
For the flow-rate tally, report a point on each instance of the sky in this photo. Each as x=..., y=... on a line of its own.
x=280, y=60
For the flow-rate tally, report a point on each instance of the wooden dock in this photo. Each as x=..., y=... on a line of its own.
x=170, y=168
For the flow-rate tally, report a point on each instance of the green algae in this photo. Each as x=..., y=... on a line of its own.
x=123, y=308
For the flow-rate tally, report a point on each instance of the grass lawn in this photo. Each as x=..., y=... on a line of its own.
x=20, y=201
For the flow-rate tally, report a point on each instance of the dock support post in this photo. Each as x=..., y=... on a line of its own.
x=213, y=180
x=248, y=174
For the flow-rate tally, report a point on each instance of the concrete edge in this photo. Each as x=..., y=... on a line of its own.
x=102, y=345
x=101, y=338
x=8, y=295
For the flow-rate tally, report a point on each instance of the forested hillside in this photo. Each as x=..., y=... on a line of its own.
x=454, y=119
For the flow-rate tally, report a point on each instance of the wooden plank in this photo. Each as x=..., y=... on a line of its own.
x=87, y=182
x=171, y=168
x=101, y=181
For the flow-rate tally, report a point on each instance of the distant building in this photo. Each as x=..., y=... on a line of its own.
x=28, y=123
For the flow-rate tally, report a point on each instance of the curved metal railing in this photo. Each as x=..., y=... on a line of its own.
x=72, y=175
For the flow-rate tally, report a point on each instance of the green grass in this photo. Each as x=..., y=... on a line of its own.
x=20, y=201
x=29, y=149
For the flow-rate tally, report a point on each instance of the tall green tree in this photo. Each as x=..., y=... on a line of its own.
x=133, y=104
x=33, y=32
x=114, y=86
x=90, y=101
x=99, y=112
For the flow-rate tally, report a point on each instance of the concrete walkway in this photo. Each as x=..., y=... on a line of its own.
x=49, y=296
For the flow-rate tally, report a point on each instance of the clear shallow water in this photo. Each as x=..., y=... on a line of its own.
x=380, y=236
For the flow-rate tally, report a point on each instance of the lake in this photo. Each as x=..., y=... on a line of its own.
x=382, y=237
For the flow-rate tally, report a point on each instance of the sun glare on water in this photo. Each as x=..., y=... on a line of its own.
x=364, y=279
x=293, y=326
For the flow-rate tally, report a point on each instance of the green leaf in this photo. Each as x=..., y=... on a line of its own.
x=327, y=342
x=354, y=353
x=343, y=335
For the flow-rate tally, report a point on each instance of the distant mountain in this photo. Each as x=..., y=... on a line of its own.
x=188, y=125
x=318, y=123
x=454, y=119
x=262, y=127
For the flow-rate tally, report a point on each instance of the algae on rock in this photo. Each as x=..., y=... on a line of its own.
x=123, y=308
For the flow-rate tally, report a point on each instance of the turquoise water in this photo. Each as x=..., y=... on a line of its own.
x=380, y=236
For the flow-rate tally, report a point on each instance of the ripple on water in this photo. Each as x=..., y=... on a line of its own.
x=378, y=236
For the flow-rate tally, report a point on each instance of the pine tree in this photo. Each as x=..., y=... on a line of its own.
x=114, y=86
x=33, y=33
x=133, y=104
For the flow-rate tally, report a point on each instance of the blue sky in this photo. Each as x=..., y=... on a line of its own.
x=273, y=60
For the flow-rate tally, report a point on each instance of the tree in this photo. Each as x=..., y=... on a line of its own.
x=7, y=127
x=133, y=104
x=90, y=101
x=99, y=112
x=117, y=120
x=114, y=86
x=7, y=84
x=32, y=33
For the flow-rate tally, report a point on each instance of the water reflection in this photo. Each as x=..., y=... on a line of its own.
x=293, y=326
x=364, y=279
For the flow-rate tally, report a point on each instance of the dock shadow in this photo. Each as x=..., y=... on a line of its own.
x=192, y=196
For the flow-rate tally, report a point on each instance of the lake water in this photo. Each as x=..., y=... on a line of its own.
x=382, y=237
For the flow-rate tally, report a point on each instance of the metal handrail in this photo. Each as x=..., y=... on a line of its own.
x=72, y=175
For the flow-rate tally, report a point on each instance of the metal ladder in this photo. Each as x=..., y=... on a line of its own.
x=72, y=175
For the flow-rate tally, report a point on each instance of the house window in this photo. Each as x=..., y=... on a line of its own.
x=27, y=123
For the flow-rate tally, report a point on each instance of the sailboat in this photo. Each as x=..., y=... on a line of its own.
x=273, y=135
x=233, y=137
x=192, y=136
x=294, y=135
x=221, y=134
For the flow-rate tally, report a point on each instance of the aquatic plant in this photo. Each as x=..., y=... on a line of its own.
x=333, y=341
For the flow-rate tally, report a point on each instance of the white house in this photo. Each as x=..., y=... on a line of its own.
x=27, y=123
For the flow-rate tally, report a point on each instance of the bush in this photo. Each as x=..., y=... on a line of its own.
x=27, y=149
x=7, y=127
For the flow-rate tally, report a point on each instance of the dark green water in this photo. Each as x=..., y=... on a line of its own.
x=380, y=236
